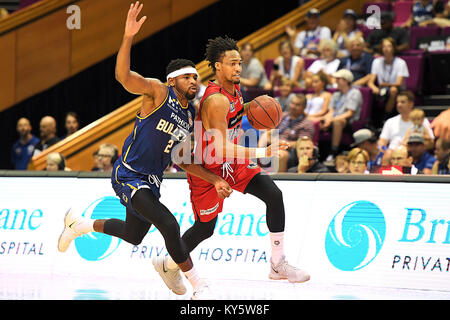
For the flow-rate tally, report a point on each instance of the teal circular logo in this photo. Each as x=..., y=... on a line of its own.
x=97, y=246
x=355, y=236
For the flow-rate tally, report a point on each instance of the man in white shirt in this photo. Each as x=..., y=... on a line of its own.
x=306, y=43
x=395, y=128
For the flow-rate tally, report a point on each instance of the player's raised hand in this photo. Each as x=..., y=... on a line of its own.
x=132, y=26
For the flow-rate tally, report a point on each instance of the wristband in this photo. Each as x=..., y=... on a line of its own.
x=260, y=153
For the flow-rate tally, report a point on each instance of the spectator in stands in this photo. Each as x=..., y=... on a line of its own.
x=285, y=97
x=367, y=140
x=346, y=29
x=72, y=123
x=441, y=15
x=345, y=108
x=388, y=75
x=328, y=62
x=417, y=117
x=253, y=73
x=23, y=149
x=293, y=125
x=107, y=154
x=306, y=42
x=422, y=159
x=47, y=128
x=358, y=61
x=318, y=101
x=442, y=154
x=287, y=65
x=400, y=35
x=441, y=125
x=358, y=159
x=422, y=10
x=306, y=157
x=341, y=163
x=395, y=128
x=3, y=13
x=400, y=157
x=56, y=162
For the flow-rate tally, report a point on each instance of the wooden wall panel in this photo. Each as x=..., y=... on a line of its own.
x=46, y=51
x=43, y=54
x=100, y=34
x=84, y=161
x=100, y=37
x=7, y=69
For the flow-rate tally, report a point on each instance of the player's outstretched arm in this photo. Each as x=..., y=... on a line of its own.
x=130, y=80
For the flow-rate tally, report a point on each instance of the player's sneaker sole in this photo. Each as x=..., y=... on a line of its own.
x=284, y=271
x=165, y=274
x=68, y=234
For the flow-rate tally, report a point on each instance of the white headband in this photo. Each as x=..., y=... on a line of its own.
x=181, y=71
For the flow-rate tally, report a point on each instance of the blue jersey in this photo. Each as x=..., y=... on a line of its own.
x=147, y=150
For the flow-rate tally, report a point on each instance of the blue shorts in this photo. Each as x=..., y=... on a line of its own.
x=126, y=182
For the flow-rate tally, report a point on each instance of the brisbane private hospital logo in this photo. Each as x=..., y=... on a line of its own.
x=97, y=246
x=355, y=236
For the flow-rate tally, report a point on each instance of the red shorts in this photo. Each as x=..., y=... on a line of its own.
x=206, y=204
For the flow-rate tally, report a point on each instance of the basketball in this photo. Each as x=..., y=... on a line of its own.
x=264, y=112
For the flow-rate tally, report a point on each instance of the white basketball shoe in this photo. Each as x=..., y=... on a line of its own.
x=171, y=277
x=69, y=234
x=283, y=271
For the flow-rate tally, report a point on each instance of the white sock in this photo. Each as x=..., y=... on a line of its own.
x=277, y=244
x=193, y=277
x=84, y=226
x=170, y=264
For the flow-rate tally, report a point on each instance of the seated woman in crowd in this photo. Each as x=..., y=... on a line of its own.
x=357, y=159
x=318, y=101
x=56, y=162
x=287, y=65
x=346, y=29
x=388, y=75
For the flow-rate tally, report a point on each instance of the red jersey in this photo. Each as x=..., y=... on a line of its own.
x=234, y=120
x=206, y=203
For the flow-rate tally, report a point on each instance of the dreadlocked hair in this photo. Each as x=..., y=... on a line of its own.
x=177, y=64
x=216, y=48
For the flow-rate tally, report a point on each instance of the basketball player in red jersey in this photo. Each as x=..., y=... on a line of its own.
x=221, y=110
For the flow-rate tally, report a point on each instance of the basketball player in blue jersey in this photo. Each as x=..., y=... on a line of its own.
x=165, y=120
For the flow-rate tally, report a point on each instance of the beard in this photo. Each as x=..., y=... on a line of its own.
x=190, y=96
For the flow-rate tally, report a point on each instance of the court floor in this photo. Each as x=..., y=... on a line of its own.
x=57, y=287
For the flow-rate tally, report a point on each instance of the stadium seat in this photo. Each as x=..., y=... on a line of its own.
x=268, y=66
x=309, y=62
x=418, y=32
x=316, y=132
x=415, y=67
x=402, y=10
x=446, y=31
